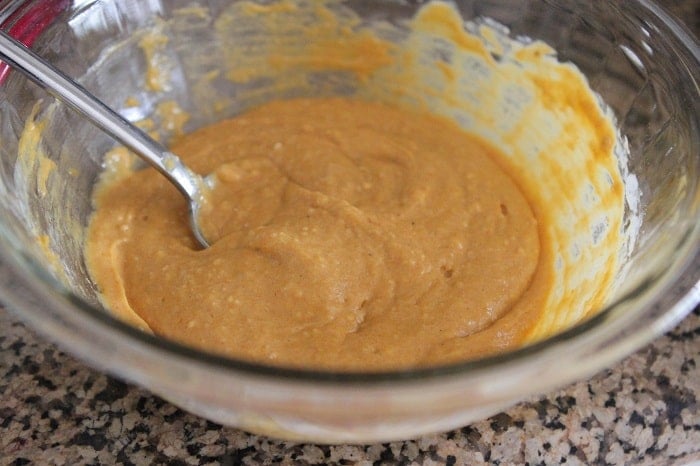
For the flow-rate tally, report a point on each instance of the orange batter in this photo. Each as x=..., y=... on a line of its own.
x=349, y=235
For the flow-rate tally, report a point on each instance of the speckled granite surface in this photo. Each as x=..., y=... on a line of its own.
x=644, y=410
x=55, y=410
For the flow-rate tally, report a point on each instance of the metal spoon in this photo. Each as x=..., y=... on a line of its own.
x=191, y=185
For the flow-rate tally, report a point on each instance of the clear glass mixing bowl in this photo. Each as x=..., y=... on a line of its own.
x=643, y=64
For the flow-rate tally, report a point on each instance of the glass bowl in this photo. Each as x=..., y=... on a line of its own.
x=643, y=64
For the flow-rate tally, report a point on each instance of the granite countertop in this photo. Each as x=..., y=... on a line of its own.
x=644, y=410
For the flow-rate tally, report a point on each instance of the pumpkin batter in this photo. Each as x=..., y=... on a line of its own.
x=349, y=235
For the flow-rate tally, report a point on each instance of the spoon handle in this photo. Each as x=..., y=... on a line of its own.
x=77, y=97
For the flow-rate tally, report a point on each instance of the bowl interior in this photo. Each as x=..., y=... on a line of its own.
x=633, y=60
